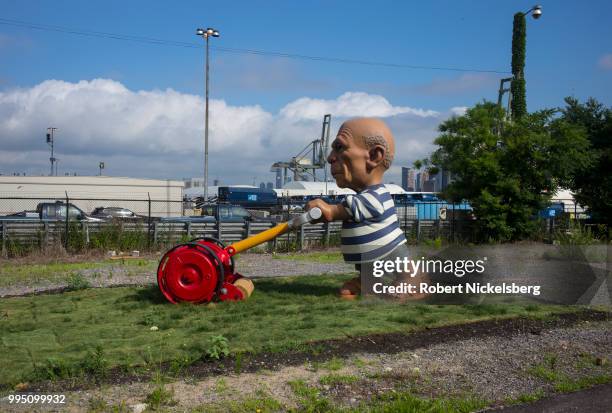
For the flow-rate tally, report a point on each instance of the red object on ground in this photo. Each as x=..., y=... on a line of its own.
x=199, y=271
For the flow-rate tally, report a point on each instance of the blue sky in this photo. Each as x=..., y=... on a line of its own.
x=568, y=53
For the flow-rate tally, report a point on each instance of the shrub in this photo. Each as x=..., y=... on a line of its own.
x=218, y=346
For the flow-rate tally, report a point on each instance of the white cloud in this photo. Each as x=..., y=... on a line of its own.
x=605, y=61
x=459, y=110
x=348, y=105
x=160, y=133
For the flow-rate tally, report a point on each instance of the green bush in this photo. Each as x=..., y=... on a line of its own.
x=576, y=234
x=218, y=346
x=76, y=281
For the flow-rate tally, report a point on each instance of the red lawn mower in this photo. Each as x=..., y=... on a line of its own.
x=202, y=270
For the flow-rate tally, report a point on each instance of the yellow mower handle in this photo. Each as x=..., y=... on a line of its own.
x=269, y=234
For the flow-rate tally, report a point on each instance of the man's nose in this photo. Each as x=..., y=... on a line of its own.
x=331, y=157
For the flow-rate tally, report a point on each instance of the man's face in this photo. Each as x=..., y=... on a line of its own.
x=348, y=160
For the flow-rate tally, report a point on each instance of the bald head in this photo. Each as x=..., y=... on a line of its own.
x=369, y=133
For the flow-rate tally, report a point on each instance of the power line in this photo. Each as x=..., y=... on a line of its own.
x=163, y=42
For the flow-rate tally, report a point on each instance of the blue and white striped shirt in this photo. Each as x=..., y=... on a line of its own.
x=373, y=230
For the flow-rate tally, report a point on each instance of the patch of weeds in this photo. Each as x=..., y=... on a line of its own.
x=587, y=360
x=532, y=307
x=563, y=383
x=97, y=405
x=566, y=384
x=238, y=362
x=122, y=407
x=259, y=405
x=546, y=369
x=53, y=368
x=406, y=402
x=316, y=349
x=333, y=379
x=179, y=363
x=160, y=397
x=76, y=281
x=525, y=398
x=220, y=386
x=95, y=364
x=334, y=364
x=309, y=397
x=486, y=309
x=545, y=373
x=359, y=363
x=218, y=347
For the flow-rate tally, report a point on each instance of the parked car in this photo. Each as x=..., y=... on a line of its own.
x=109, y=213
x=222, y=212
x=52, y=211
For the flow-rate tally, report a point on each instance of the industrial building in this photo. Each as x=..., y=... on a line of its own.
x=18, y=193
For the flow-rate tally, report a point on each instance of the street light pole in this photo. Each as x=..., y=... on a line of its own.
x=206, y=34
x=518, y=104
x=50, y=142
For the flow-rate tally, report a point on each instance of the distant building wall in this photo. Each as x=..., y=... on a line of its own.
x=168, y=194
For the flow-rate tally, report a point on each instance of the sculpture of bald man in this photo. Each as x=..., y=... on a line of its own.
x=361, y=153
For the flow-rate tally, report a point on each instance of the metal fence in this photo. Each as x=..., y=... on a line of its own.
x=419, y=221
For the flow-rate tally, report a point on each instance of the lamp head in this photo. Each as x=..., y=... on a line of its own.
x=200, y=32
x=536, y=11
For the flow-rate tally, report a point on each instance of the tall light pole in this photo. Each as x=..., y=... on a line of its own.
x=518, y=104
x=101, y=166
x=206, y=34
x=50, y=142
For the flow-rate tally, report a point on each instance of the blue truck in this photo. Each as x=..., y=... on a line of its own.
x=252, y=198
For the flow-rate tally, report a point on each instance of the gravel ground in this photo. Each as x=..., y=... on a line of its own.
x=491, y=368
x=249, y=265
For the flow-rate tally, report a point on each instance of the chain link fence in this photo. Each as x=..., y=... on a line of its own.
x=30, y=224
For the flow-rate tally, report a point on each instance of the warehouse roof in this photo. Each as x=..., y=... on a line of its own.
x=303, y=188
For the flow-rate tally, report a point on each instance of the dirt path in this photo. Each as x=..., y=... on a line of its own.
x=500, y=362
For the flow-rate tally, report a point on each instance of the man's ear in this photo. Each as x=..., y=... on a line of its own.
x=376, y=156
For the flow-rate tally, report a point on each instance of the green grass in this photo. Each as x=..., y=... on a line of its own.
x=332, y=379
x=56, y=334
x=525, y=398
x=548, y=370
x=407, y=403
x=10, y=274
x=322, y=257
x=260, y=403
x=310, y=401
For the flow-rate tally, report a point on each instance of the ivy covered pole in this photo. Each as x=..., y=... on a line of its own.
x=518, y=103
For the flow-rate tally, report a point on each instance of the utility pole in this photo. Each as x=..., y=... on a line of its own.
x=518, y=103
x=50, y=142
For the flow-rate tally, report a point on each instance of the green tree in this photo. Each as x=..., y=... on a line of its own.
x=508, y=175
x=592, y=185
